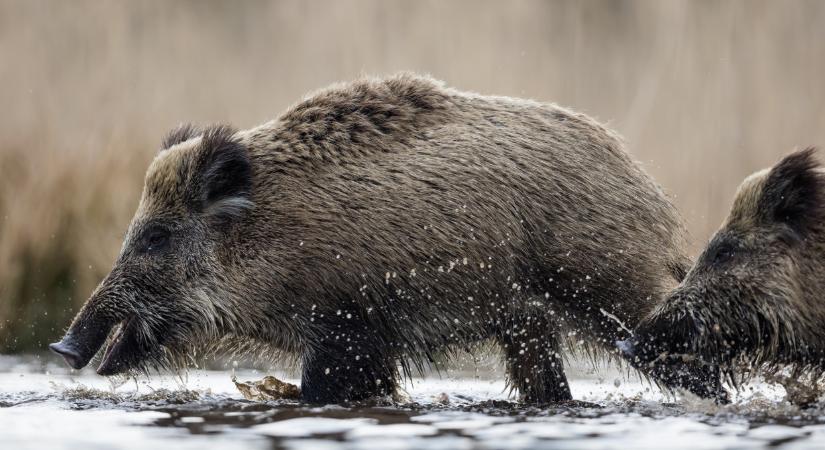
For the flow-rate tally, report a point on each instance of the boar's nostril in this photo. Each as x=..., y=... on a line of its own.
x=71, y=356
x=626, y=348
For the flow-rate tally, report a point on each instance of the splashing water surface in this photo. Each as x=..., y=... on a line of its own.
x=43, y=405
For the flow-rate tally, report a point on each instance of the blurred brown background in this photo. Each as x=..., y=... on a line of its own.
x=704, y=93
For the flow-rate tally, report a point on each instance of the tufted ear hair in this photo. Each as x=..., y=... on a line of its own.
x=181, y=133
x=222, y=177
x=794, y=192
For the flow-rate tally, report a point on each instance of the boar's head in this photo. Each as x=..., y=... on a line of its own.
x=752, y=289
x=160, y=296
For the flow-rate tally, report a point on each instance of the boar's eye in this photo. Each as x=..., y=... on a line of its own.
x=155, y=239
x=723, y=253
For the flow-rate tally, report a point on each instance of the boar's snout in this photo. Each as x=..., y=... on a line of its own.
x=69, y=353
x=79, y=348
x=639, y=352
x=86, y=335
x=627, y=348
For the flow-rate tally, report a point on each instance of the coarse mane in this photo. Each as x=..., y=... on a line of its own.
x=355, y=119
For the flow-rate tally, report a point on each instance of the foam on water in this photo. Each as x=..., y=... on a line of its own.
x=43, y=405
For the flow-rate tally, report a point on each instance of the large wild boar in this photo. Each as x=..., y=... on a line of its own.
x=380, y=222
x=754, y=298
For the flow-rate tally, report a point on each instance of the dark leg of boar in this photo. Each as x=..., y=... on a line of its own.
x=330, y=379
x=534, y=364
x=348, y=367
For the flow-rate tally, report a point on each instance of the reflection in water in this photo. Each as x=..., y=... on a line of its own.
x=46, y=406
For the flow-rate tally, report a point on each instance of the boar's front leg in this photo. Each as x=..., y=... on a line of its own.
x=534, y=365
x=336, y=375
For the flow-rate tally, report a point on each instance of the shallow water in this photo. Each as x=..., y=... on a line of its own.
x=44, y=405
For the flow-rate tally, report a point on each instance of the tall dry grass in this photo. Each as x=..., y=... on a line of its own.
x=704, y=92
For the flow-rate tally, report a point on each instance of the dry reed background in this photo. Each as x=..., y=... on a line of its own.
x=704, y=92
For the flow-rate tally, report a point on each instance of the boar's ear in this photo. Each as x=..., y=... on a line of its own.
x=794, y=191
x=181, y=133
x=222, y=176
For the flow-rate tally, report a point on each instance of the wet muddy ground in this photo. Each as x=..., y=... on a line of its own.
x=44, y=405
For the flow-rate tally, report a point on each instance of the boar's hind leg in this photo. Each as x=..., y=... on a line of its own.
x=534, y=365
x=335, y=377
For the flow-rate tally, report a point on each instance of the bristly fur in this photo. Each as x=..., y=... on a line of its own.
x=181, y=133
x=383, y=222
x=223, y=177
x=752, y=302
x=794, y=192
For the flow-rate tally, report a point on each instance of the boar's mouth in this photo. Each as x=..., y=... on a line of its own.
x=123, y=351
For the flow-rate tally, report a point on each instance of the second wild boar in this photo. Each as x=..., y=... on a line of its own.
x=754, y=298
